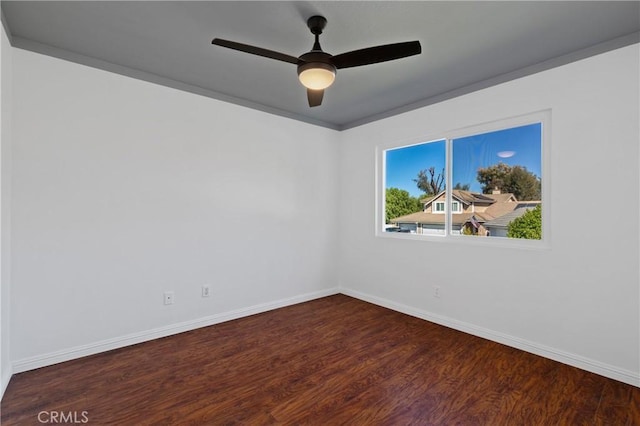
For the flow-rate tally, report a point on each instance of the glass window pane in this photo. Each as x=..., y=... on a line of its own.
x=498, y=176
x=415, y=178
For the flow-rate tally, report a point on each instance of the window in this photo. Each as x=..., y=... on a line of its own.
x=438, y=207
x=495, y=172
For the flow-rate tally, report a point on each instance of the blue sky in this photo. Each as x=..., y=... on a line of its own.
x=403, y=164
x=515, y=146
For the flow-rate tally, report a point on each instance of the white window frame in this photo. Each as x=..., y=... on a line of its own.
x=438, y=211
x=457, y=210
x=542, y=117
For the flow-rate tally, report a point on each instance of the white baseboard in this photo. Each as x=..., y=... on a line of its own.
x=132, y=339
x=574, y=360
x=4, y=382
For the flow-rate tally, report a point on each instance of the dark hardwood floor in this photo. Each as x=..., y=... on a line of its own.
x=331, y=361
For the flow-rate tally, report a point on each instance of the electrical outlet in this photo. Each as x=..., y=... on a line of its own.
x=168, y=298
x=436, y=291
x=206, y=290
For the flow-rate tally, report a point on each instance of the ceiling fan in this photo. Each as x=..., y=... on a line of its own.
x=317, y=69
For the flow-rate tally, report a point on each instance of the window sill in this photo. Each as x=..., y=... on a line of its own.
x=499, y=242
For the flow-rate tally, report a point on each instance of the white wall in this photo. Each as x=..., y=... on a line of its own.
x=5, y=206
x=579, y=301
x=123, y=189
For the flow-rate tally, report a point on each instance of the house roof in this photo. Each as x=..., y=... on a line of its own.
x=502, y=206
x=473, y=197
x=503, y=197
x=438, y=218
x=468, y=197
x=504, y=220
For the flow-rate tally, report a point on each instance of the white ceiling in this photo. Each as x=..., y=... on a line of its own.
x=465, y=46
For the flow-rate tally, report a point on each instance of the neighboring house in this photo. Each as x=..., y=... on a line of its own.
x=499, y=226
x=470, y=213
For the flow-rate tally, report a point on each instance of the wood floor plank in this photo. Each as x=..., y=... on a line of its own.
x=335, y=360
x=614, y=402
x=633, y=412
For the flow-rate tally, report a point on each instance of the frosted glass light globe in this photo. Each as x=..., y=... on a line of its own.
x=317, y=76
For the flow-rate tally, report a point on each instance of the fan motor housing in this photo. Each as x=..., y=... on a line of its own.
x=316, y=59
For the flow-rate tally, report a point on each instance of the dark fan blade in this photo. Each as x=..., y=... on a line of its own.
x=314, y=97
x=255, y=50
x=376, y=54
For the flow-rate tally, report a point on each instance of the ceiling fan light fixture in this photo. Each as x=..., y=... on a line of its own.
x=316, y=75
x=316, y=68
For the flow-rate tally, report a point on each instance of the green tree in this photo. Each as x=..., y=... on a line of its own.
x=429, y=183
x=464, y=187
x=528, y=226
x=399, y=203
x=493, y=177
x=515, y=179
